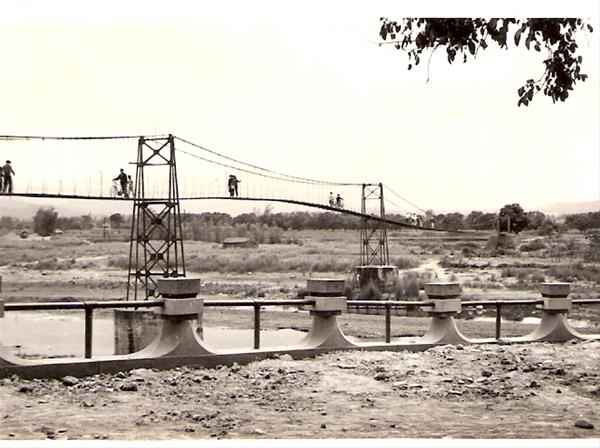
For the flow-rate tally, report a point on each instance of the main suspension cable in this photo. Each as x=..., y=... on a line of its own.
x=54, y=137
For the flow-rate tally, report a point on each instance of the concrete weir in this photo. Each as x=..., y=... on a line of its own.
x=178, y=343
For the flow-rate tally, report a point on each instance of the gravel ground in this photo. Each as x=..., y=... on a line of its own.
x=516, y=391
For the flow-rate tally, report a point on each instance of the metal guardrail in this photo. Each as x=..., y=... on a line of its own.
x=257, y=305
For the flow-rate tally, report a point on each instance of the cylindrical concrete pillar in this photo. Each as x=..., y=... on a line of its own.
x=180, y=297
x=325, y=287
x=556, y=297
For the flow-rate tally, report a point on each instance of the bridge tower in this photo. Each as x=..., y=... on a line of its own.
x=374, y=253
x=156, y=248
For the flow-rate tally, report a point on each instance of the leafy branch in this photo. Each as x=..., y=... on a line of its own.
x=460, y=36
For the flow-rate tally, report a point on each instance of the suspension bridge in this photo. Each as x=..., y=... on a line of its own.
x=160, y=184
x=259, y=184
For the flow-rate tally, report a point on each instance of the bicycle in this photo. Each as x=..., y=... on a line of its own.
x=115, y=191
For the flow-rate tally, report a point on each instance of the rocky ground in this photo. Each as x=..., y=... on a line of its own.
x=511, y=391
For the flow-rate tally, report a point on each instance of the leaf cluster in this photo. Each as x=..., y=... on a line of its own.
x=465, y=37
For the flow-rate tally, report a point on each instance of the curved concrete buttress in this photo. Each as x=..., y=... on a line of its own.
x=553, y=327
x=443, y=330
x=176, y=338
x=325, y=333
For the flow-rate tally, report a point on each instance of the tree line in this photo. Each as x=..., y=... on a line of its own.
x=47, y=221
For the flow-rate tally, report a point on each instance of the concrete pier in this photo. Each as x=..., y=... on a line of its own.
x=329, y=303
x=445, y=298
x=554, y=326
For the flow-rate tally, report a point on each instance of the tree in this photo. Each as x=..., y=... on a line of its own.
x=583, y=221
x=477, y=220
x=518, y=218
x=116, y=220
x=452, y=221
x=535, y=220
x=468, y=36
x=44, y=221
x=548, y=227
x=87, y=222
x=7, y=222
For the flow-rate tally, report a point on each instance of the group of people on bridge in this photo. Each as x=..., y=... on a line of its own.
x=336, y=201
x=126, y=182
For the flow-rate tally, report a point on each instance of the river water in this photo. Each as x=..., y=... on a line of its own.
x=54, y=334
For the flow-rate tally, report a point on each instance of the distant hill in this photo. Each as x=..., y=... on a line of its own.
x=565, y=208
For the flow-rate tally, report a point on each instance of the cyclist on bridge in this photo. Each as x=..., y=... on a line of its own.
x=339, y=201
x=122, y=178
x=7, y=173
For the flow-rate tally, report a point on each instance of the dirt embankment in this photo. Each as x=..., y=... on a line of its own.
x=524, y=391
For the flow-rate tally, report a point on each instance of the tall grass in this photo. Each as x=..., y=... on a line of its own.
x=575, y=271
x=264, y=262
x=408, y=285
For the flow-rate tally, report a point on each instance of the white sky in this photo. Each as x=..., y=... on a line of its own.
x=298, y=87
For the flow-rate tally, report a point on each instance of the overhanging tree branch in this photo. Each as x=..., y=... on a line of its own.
x=468, y=35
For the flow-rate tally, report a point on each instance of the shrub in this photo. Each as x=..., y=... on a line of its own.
x=593, y=252
x=538, y=277
x=575, y=271
x=370, y=292
x=405, y=262
x=301, y=293
x=44, y=221
x=118, y=262
x=409, y=284
x=533, y=245
x=348, y=291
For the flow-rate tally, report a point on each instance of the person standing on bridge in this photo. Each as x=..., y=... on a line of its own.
x=122, y=178
x=331, y=199
x=339, y=201
x=130, y=186
x=7, y=173
x=232, y=185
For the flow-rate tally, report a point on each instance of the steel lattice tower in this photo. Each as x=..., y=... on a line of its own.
x=156, y=248
x=373, y=232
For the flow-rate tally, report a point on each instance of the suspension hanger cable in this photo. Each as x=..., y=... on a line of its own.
x=315, y=181
x=404, y=199
x=239, y=169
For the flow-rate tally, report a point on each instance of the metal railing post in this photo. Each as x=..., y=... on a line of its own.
x=498, y=319
x=256, y=326
x=388, y=323
x=89, y=326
